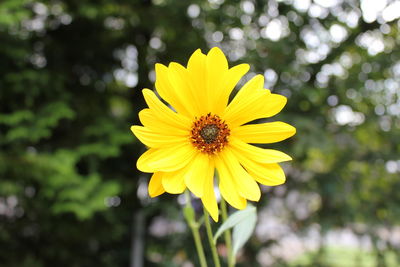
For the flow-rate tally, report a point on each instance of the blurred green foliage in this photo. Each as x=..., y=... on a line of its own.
x=71, y=74
x=347, y=257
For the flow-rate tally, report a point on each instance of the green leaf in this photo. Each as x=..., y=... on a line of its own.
x=243, y=230
x=235, y=219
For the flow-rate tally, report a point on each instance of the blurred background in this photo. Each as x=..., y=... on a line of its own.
x=71, y=74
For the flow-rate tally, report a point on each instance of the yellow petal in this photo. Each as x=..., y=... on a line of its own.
x=229, y=81
x=258, y=154
x=196, y=175
x=153, y=122
x=197, y=77
x=155, y=186
x=250, y=91
x=197, y=62
x=273, y=105
x=227, y=186
x=216, y=69
x=173, y=182
x=244, y=100
x=264, y=133
x=153, y=139
x=167, y=90
x=267, y=174
x=253, y=102
x=210, y=204
x=166, y=159
x=246, y=186
x=266, y=105
x=179, y=78
x=216, y=59
x=208, y=198
x=164, y=113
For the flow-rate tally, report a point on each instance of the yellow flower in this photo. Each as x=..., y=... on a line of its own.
x=201, y=132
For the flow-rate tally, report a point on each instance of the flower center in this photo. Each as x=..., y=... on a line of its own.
x=209, y=134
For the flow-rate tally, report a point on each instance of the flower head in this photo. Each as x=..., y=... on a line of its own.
x=202, y=132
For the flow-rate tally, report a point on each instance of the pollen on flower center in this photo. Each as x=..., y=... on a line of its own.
x=209, y=134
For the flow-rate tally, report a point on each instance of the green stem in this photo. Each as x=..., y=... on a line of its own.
x=227, y=235
x=210, y=239
x=194, y=226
